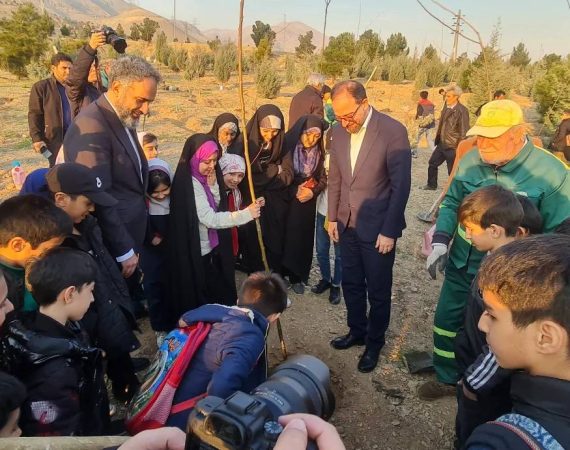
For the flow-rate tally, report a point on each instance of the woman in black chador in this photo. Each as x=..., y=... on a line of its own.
x=225, y=132
x=304, y=142
x=272, y=172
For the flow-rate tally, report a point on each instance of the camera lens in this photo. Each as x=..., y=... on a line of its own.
x=299, y=385
x=118, y=43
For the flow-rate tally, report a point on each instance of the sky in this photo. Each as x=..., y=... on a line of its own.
x=542, y=25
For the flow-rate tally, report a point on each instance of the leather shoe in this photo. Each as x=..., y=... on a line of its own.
x=321, y=287
x=368, y=361
x=427, y=187
x=334, y=296
x=298, y=288
x=346, y=341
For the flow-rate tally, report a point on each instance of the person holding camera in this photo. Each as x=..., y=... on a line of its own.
x=84, y=83
x=49, y=109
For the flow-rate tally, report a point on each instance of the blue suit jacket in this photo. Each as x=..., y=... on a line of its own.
x=373, y=198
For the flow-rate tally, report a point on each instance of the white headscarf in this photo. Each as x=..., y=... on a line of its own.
x=159, y=207
x=230, y=163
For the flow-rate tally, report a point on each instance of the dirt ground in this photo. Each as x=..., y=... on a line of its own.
x=373, y=411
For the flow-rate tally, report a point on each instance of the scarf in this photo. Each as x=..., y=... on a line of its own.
x=225, y=120
x=305, y=160
x=230, y=163
x=159, y=207
x=205, y=151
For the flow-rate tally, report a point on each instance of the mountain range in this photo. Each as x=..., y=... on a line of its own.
x=113, y=12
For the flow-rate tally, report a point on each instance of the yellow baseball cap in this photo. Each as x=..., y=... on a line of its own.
x=496, y=118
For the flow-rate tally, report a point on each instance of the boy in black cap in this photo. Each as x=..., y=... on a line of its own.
x=110, y=320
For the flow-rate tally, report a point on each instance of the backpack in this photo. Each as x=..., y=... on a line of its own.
x=531, y=432
x=152, y=404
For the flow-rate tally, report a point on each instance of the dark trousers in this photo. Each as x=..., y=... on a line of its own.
x=153, y=262
x=218, y=288
x=366, y=273
x=438, y=157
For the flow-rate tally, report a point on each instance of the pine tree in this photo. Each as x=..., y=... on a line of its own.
x=519, y=56
x=120, y=31
x=397, y=45
x=260, y=31
x=263, y=51
x=306, y=46
x=23, y=38
x=339, y=54
x=135, y=32
x=148, y=28
x=370, y=42
x=225, y=61
x=161, y=49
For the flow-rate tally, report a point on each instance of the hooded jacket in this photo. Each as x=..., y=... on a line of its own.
x=232, y=358
x=62, y=373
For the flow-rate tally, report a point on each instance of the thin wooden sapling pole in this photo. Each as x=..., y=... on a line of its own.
x=248, y=164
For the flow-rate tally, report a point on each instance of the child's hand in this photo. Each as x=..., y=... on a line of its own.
x=254, y=210
x=156, y=240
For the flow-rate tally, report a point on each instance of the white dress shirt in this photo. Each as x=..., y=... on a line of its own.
x=356, y=140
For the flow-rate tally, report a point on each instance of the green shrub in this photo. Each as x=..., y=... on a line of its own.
x=178, y=59
x=199, y=62
x=267, y=81
x=225, y=62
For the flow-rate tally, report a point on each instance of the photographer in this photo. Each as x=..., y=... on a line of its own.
x=84, y=83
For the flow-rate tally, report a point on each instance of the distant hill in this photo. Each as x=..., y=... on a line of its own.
x=108, y=12
x=286, y=39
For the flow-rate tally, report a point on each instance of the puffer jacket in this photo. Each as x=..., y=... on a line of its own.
x=232, y=358
x=452, y=127
x=110, y=320
x=62, y=373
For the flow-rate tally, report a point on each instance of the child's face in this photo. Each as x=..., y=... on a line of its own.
x=483, y=239
x=19, y=252
x=11, y=429
x=78, y=209
x=5, y=304
x=79, y=301
x=161, y=192
x=233, y=179
x=151, y=150
x=509, y=343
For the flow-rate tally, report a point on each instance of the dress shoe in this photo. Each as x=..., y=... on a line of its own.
x=334, y=296
x=346, y=341
x=140, y=363
x=368, y=361
x=321, y=287
x=298, y=288
x=427, y=187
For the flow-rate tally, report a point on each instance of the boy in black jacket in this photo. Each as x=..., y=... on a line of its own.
x=526, y=291
x=50, y=353
x=110, y=320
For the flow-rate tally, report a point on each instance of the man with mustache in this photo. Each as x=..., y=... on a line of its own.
x=104, y=137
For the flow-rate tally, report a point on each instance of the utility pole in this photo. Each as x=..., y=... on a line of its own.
x=327, y=3
x=457, y=19
x=174, y=23
x=359, y=17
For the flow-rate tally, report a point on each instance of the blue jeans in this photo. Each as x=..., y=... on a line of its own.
x=323, y=254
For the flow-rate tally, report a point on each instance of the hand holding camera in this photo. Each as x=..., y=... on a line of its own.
x=98, y=39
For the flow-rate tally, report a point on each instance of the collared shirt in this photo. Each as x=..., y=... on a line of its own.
x=356, y=140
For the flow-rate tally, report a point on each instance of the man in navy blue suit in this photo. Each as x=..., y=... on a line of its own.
x=369, y=185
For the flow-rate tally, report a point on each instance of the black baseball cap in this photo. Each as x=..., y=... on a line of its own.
x=76, y=179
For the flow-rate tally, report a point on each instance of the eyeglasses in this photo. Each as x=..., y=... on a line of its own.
x=349, y=117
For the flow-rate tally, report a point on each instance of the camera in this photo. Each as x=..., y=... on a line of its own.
x=249, y=421
x=112, y=38
x=45, y=152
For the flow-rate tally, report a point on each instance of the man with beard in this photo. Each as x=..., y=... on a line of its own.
x=104, y=137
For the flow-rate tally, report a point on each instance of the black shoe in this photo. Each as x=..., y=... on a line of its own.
x=140, y=363
x=321, y=287
x=298, y=288
x=368, y=361
x=346, y=341
x=334, y=296
x=427, y=187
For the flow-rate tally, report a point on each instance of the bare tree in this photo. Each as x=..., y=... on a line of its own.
x=327, y=3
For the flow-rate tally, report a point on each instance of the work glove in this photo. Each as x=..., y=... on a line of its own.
x=437, y=259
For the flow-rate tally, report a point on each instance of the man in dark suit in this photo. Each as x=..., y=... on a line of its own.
x=369, y=185
x=103, y=137
x=49, y=109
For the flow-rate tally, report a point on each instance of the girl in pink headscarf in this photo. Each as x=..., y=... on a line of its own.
x=202, y=261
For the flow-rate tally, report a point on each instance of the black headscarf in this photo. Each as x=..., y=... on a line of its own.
x=218, y=122
x=254, y=136
x=186, y=267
